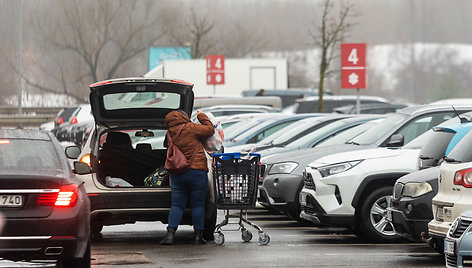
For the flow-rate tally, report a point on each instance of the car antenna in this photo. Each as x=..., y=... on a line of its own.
x=463, y=120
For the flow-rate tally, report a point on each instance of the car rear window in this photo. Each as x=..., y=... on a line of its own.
x=27, y=156
x=436, y=146
x=137, y=100
x=463, y=150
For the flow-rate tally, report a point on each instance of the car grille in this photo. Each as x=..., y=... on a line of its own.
x=451, y=260
x=308, y=181
x=462, y=225
x=397, y=190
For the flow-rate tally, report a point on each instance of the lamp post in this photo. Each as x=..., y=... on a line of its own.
x=20, y=55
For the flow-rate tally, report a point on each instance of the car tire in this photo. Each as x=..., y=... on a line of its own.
x=209, y=226
x=84, y=262
x=373, y=216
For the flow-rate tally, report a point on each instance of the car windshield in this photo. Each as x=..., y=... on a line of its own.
x=462, y=151
x=346, y=136
x=143, y=140
x=306, y=140
x=237, y=128
x=21, y=156
x=382, y=128
x=290, y=132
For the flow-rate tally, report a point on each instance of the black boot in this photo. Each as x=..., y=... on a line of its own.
x=169, y=239
x=198, y=238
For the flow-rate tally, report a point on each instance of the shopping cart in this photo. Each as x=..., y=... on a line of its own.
x=235, y=178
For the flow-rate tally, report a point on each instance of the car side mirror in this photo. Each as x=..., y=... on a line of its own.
x=72, y=152
x=81, y=168
x=396, y=140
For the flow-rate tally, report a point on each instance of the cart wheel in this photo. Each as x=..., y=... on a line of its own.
x=219, y=238
x=246, y=235
x=264, y=239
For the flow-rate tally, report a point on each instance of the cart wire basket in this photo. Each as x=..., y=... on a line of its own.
x=235, y=178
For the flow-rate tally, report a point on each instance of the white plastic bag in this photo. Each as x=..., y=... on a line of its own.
x=213, y=144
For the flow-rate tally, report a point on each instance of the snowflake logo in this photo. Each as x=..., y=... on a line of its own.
x=353, y=79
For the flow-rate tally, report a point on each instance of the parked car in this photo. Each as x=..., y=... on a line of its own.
x=455, y=188
x=127, y=145
x=411, y=206
x=223, y=110
x=287, y=96
x=259, y=128
x=318, y=135
x=363, y=180
x=353, y=189
x=45, y=206
x=281, y=176
x=393, y=131
x=458, y=243
x=370, y=108
x=272, y=101
x=310, y=104
x=62, y=123
x=81, y=124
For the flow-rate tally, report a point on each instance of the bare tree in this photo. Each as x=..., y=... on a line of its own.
x=329, y=35
x=195, y=33
x=99, y=36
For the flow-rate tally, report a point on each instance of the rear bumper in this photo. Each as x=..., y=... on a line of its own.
x=41, y=247
x=64, y=233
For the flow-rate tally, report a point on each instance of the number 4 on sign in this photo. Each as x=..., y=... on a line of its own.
x=353, y=56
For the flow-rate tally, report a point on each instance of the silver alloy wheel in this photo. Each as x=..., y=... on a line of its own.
x=378, y=216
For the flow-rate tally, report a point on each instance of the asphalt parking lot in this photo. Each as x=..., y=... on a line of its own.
x=291, y=245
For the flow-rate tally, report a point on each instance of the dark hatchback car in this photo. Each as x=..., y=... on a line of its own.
x=411, y=206
x=127, y=145
x=45, y=206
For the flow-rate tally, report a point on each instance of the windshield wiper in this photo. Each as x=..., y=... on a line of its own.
x=351, y=142
x=451, y=160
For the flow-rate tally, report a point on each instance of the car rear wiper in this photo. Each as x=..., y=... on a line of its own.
x=451, y=160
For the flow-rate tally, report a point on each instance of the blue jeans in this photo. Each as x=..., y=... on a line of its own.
x=193, y=183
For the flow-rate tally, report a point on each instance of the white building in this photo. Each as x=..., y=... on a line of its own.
x=240, y=74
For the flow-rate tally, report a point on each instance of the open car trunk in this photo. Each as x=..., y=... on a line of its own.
x=130, y=158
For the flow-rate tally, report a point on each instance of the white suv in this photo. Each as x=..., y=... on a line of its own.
x=455, y=188
x=353, y=189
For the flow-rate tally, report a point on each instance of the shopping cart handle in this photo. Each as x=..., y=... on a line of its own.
x=235, y=155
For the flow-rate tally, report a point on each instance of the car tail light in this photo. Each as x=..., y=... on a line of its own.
x=59, y=121
x=463, y=177
x=74, y=121
x=66, y=197
x=85, y=159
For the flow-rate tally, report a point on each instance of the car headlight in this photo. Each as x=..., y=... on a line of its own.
x=415, y=189
x=337, y=168
x=284, y=168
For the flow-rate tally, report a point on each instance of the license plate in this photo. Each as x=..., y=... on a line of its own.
x=389, y=215
x=302, y=199
x=449, y=247
x=11, y=201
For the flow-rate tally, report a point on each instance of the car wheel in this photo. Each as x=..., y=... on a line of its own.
x=209, y=226
x=373, y=217
x=83, y=262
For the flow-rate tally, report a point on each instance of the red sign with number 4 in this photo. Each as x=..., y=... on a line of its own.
x=215, y=65
x=353, y=66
